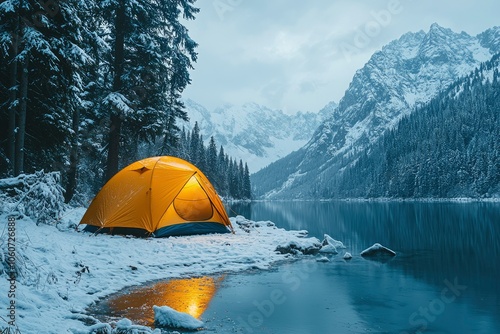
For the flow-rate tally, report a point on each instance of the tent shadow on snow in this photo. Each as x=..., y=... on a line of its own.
x=190, y=295
x=161, y=197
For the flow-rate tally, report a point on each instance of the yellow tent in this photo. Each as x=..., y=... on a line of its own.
x=162, y=196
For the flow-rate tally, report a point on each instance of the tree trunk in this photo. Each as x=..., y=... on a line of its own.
x=12, y=109
x=113, y=146
x=11, y=149
x=167, y=140
x=21, y=120
x=115, y=119
x=73, y=158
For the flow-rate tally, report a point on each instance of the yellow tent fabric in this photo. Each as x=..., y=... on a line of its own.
x=162, y=196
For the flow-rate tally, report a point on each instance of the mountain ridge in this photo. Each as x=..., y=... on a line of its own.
x=406, y=73
x=450, y=147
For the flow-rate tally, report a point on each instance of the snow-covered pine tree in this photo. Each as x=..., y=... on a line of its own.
x=241, y=181
x=222, y=168
x=194, y=144
x=211, y=162
x=151, y=55
x=234, y=180
x=40, y=43
x=9, y=48
x=247, y=187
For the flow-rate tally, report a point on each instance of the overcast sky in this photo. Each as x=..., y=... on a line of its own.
x=301, y=54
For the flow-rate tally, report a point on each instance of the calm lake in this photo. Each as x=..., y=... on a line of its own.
x=444, y=279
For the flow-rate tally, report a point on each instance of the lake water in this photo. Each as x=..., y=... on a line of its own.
x=444, y=279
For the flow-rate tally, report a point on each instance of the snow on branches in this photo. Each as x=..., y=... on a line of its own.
x=39, y=196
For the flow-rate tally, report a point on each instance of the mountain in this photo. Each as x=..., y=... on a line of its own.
x=406, y=74
x=448, y=148
x=256, y=134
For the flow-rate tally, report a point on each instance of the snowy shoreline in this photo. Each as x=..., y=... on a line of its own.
x=61, y=272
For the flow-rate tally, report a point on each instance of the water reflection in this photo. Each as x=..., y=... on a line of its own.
x=435, y=242
x=190, y=295
x=406, y=226
x=455, y=237
x=447, y=262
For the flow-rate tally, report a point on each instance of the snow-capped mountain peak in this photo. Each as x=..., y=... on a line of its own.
x=254, y=133
x=405, y=74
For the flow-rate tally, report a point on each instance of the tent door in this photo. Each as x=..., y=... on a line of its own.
x=192, y=203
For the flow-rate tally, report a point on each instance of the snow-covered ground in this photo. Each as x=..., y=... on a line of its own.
x=61, y=271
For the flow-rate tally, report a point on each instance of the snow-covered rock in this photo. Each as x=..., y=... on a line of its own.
x=330, y=245
x=100, y=328
x=377, y=250
x=328, y=240
x=296, y=242
x=309, y=246
x=347, y=256
x=302, y=233
x=120, y=327
x=168, y=317
x=248, y=225
x=330, y=249
x=322, y=259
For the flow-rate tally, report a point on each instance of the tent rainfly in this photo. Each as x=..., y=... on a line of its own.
x=159, y=196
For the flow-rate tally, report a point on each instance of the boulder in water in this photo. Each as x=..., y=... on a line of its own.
x=347, y=256
x=378, y=251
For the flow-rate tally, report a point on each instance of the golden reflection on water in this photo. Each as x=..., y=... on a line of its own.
x=189, y=295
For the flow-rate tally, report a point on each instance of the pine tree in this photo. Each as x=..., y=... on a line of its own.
x=152, y=53
x=201, y=163
x=45, y=86
x=247, y=188
x=241, y=181
x=194, y=144
x=222, y=169
x=211, y=161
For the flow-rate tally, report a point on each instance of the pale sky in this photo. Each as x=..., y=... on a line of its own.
x=301, y=54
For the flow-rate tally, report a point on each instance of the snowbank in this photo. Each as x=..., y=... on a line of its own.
x=61, y=271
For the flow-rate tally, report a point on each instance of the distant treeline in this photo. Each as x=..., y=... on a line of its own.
x=231, y=178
